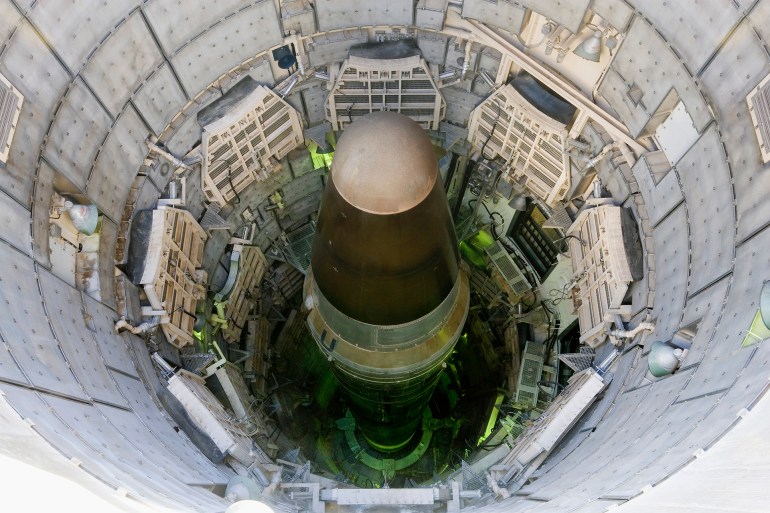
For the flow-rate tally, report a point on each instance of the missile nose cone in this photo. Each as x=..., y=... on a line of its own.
x=385, y=250
x=384, y=164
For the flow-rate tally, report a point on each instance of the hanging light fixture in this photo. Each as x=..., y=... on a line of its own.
x=664, y=358
x=518, y=202
x=85, y=218
x=591, y=48
x=284, y=57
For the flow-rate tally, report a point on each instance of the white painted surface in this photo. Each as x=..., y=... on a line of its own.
x=676, y=134
x=32, y=475
x=731, y=476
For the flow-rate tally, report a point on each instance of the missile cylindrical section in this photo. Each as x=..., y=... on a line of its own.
x=387, y=300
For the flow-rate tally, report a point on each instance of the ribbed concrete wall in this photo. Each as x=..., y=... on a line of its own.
x=99, y=77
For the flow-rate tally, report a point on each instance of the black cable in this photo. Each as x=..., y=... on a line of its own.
x=546, y=310
x=570, y=236
x=469, y=169
x=562, y=294
x=555, y=337
x=182, y=309
x=548, y=319
x=555, y=386
x=496, y=235
x=565, y=252
x=491, y=447
x=552, y=334
x=510, y=249
x=492, y=130
x=491, y=215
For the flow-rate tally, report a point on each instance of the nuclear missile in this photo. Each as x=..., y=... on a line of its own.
x=385, y=295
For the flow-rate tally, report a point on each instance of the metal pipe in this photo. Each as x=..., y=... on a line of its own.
x=607, y=362
x=154, y=148
x=627, y=153
x=167, y=369
x=455, y=26
x=232, y=275
x=644, y=326
x=498, y=490
x=286, y=90
x=274, y=482
x=597, y=188
x=466, y=58
x=598, y=157
x=486, y=78
x=446, y=75
x=257, y=472
x=172, y=189
x=123, y=324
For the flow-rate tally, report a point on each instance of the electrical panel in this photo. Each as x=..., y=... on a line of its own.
x=513, y=276
x=530, y=371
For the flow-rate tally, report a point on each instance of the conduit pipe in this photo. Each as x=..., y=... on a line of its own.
x=456, y=26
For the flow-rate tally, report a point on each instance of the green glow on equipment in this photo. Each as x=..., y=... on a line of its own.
x=492, y=420
x=473, y=248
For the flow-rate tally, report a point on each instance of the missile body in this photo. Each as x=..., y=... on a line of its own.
x=387, y=299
